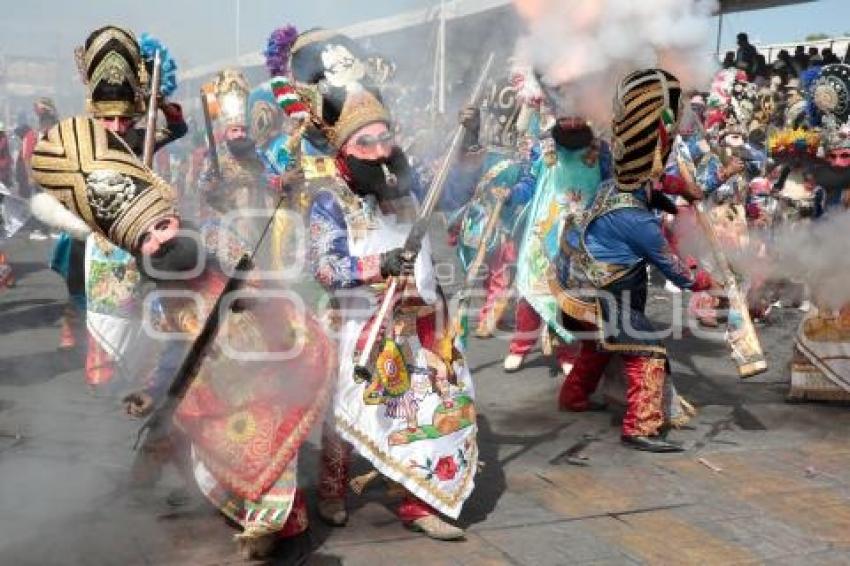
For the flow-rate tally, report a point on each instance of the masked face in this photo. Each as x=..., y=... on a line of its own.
x=370, y=143
x=341, y=67
x=158, y=234
x=572, y=133
x=386, y=178
x=242, y=147
x=118, y=124
x=173, y=251
x=235, y=132
x=839, y=157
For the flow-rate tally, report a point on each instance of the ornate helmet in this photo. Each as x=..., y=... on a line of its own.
x=231, y=92
x=344, y=99
x=501, y=109
x=111, y=65
x=93, y=173
x=264, y=116
x=647, y=108
x=830, y=92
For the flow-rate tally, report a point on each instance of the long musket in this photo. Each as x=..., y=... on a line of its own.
x=420, y=227
x=740, y=334
x=150, y=122
x=213, y=151
x=159, y=422
x=472, y=272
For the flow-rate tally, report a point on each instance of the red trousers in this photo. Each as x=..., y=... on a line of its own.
x=333, y=477
x=497, y=283
x=297, y=522
x=99, y=365
x=645, y=377
x=528, y=324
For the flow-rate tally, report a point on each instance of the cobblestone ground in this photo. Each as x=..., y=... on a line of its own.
x=762, y=480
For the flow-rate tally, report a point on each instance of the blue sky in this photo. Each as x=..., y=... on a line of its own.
x=789, y=23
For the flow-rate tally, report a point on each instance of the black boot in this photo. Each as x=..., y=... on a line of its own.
x=651, y=444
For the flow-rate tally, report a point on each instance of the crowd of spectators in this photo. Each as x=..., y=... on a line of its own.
x=786, y=66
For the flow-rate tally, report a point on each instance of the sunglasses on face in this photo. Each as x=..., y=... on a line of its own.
x=368, y=140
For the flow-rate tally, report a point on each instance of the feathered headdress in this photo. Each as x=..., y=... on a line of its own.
x=791, y=144
x=277, y=50
x=809, y=79
x=148, y=45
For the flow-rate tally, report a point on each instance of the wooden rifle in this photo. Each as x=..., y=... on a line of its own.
x=420, y=228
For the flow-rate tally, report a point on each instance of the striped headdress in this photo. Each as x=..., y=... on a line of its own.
x=93, y=173
x=647, y=108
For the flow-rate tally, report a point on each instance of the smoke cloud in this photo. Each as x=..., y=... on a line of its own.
x=583, y=47
x=814, y=253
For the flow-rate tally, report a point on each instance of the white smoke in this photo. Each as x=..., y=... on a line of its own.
x=584, y=47
x=814, y=253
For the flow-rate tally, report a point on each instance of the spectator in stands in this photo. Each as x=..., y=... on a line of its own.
x=745, y=58
x=783, y=66
x=760, y=71
x=801, y=60
x=729, y=60
x=814, y=57
x=847, y=54
x=829, y=58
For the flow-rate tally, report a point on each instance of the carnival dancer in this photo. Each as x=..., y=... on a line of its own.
x=116, y=69
x=227, y=98
x=250, y=404
x=601, y=281
x=293, y=162
x=411, y=413
x=566, y=179
x=494, y=173
x=819, y=368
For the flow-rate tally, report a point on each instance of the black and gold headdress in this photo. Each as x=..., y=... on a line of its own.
x=647, y=108
x=111, y=65
x=95, y=175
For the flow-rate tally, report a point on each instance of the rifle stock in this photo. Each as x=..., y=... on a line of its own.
x=741, y=334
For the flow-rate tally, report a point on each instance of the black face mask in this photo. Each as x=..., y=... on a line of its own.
x=134, y=138
x=241, y=147
x=572, y=138
x=370, y=177
x=178, y=255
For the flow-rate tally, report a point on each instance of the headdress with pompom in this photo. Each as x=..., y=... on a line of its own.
x=278, y=48
x=148, y=45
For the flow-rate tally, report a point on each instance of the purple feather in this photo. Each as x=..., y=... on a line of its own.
x=277, y=50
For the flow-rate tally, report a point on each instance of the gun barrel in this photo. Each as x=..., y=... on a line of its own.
x=150, y=124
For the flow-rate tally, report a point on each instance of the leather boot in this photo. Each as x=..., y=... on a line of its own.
x=651, y=444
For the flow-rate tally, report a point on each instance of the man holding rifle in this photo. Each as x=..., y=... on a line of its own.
x=404, y=397
x=602, y=269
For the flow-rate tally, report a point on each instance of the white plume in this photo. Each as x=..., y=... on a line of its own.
x=49, y=210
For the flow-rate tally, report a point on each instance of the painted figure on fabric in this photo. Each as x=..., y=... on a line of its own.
x=411, y=405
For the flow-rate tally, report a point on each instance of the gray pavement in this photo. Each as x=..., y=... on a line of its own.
x=762, y=481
